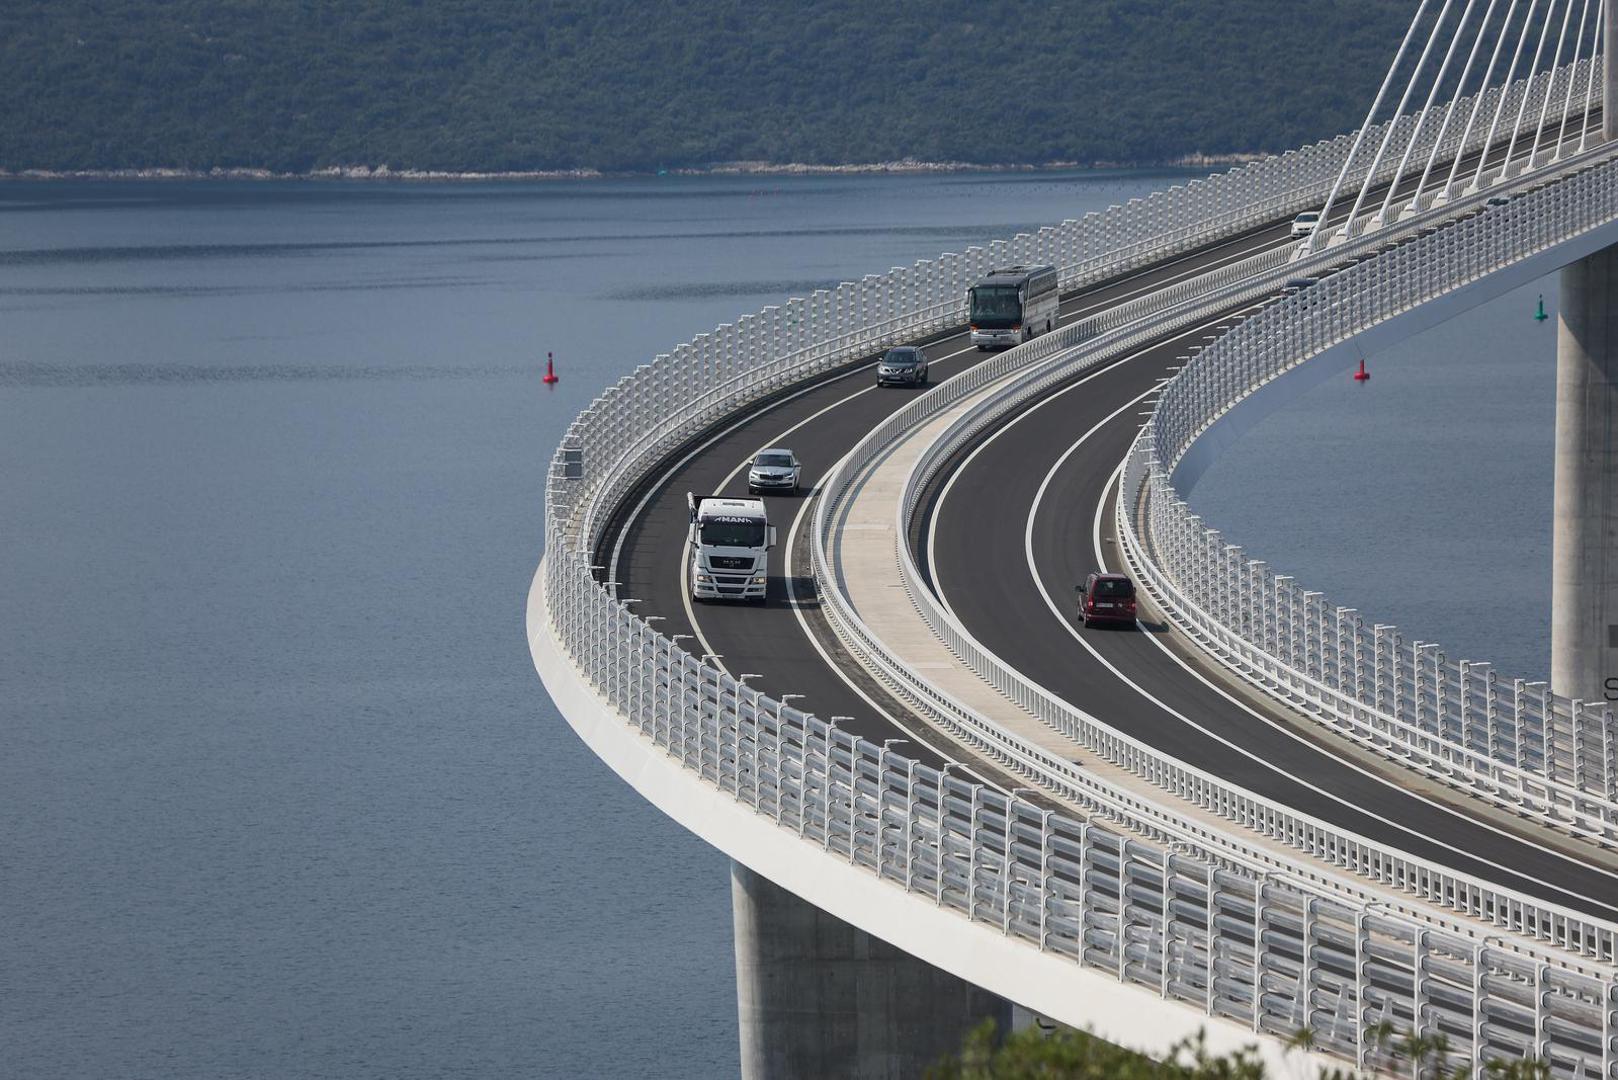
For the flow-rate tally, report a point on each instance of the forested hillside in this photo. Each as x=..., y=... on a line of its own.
x=491, y=85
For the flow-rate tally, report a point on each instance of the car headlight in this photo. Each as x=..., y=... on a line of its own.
x=759, y=580
x=704, y=578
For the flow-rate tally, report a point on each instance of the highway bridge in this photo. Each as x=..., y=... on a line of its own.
x=1255, y=812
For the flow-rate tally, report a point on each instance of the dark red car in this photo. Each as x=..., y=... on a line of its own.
x=1106, y=598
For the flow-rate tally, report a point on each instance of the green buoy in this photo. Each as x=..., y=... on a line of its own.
x=1539, y=315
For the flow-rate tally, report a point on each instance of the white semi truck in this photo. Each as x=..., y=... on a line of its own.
x=730, y=542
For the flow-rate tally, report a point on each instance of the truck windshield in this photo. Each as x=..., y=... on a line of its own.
x=995, y=306
x=1113, y=589
x=733, y=532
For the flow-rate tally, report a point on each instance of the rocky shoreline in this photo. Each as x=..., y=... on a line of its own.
x=731, y=168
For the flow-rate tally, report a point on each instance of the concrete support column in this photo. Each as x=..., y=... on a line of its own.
x=1584, y=559
x=817, y=997
x=1584, y=543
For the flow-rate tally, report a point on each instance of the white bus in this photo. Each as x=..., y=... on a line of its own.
x=1013, y=305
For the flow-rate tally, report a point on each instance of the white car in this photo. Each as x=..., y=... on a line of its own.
x=1306, y=223
x=776, y=469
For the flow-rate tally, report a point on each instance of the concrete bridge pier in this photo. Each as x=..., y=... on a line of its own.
x=1584, y=554
x=817, y=997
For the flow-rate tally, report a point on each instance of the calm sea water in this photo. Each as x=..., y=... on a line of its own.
x=281, y=794
x=1422, y=497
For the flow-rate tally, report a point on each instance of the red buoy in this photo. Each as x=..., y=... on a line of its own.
x=1362, y=375
x=550, y=370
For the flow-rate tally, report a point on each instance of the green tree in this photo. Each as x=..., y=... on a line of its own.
x=1068, y=1054
x=485, y=85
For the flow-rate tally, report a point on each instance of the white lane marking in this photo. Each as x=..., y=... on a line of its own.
x=696, y=627
x=932, y=531
x=792, y=592
x=685, y=556
x=685, y=553
x=685, y=560
x=1220, y=258
x=1082, y=309
x=1242, y=705
x=949, y=485
x=775, y=440
x=1085, y=304
x=938, y=585
x=651, y=492
x=1146, y=694
x=808, y=632
x=1095, y=526
x=1078, y=311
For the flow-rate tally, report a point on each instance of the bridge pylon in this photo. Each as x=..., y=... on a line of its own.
x=1584, y=558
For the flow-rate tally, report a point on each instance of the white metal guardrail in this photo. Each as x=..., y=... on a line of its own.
x=1508, y=740
x=1181, y=780
x=1267, y=950
x=1316, y=838
x=635, y=423
x=1047, y=363
x=1262, y=950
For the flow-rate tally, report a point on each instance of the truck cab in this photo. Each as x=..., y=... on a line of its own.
x=730, y=542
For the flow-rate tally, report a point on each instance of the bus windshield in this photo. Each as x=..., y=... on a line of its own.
x=995, y=306
x=733, y=532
